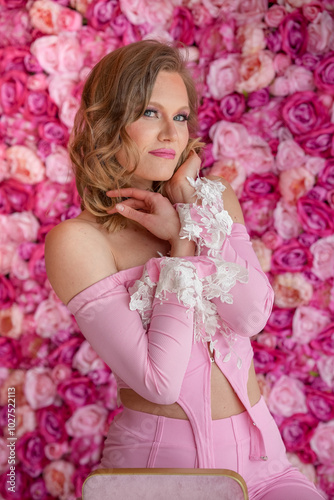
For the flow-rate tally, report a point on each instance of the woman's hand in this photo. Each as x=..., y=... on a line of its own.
x=178, y=189
x=152, y=210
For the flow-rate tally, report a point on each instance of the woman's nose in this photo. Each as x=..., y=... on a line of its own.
x=168, y=131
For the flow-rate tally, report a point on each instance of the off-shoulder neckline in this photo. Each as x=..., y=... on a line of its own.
x=132, y=271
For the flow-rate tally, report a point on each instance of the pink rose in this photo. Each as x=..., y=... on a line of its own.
x=232, y=171
x=293, y=30
x=287, y=397
x=263, y=254
x=11, y=322
x=53, y=131
x=258, y=215
x=38, y=106
x=30, y=451
x=24, y=165
x=50, y=316
x=250, y=38
x=18, y=196
x=299, y=79
x=86, y=450
x=55, y=451
x=39, y=389
x=12, y=91
x=324, y=74
x=281, y=63
x=65, y=352
x=265, y=121
x=58, y=478
x=294, y=183
x=201, y=15
x=256, y=72
x=229, y=139
x=87, y=420
x=291, y=290
x=321, y=404
x=58, y=166
x=275, y=15
x=307, y=323
x=51, y=423
x=232, y=106
x=44, y=15
x=303, y=112
x=312, y=10
x=208, y=114
x=272, y=240
x=9, y=352
x=325, y=475
x=139, y=11
x=280, y=322
x=223, y=75
x=320, y=34
x=258, y=98
x=291, y=257
x=325, y=366
x=100, y=13
x=68, y=111
x=7, y=252
x=61, y=86
x=216, y=39
x=280, y=87
x=77, y=392
x=23, y=226
x=286, y=220
x=257, y=157
x=52, y=200
x=58, y=54
x=274, y=41
x=267, y=359
x=323, y=257
x=7, y=292
x=61, y=372
x=315, y=216
x=182, y=27
x=326, y=176
x=322, y=442
x=25, y=420
x=86, y=359
x=318, y=142
x=261, y=185
x=297, y=430
x=315, y=165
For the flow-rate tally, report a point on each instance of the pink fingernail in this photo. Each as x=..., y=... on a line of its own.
x=119, y=207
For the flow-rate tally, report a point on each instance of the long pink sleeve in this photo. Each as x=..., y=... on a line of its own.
x=210, y=226
x=252, y=301
x=151, y=361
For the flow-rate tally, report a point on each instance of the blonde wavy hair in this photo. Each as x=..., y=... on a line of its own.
x=116, y=93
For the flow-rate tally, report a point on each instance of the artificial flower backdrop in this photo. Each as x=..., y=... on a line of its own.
x=265, y=74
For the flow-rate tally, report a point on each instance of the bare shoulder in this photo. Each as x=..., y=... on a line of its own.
x=231, y=202
x=76, y=256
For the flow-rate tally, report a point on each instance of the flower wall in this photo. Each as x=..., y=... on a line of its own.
x=265, y=74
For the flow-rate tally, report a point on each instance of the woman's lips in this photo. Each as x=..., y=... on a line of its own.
x=164, y=153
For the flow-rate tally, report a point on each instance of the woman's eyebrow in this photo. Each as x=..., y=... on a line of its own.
x=159, y=105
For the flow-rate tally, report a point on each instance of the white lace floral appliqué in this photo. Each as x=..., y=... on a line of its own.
x=207, y=224
x=180, y=276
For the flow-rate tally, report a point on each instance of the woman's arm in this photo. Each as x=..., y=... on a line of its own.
x=150, y=360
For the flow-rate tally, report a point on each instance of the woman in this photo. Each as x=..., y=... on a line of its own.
x=160, y=274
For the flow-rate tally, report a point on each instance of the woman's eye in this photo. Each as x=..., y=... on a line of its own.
x=181, y=118
x=150, y=112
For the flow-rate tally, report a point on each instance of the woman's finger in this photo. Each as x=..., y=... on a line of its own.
x=132, y=203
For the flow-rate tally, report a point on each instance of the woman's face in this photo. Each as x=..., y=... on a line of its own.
x=161, y=133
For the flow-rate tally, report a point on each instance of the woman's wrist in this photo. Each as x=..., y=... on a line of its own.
x=182, y=248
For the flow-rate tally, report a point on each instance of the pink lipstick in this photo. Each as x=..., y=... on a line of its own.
x=164, y=153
